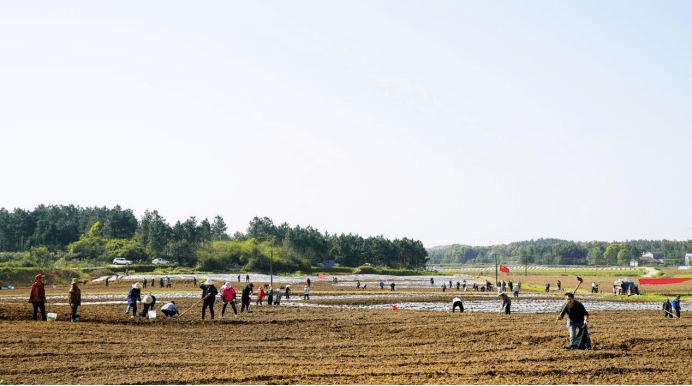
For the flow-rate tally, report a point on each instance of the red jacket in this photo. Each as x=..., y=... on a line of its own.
x=38, y=293
x=260, y=293
x=228, y=294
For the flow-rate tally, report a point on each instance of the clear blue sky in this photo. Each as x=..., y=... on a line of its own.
x=475, y=122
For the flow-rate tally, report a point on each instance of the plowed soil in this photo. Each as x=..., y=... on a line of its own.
x=314, y=345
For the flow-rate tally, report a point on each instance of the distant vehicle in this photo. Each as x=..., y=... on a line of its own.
x=161, y=261
x=121, y=261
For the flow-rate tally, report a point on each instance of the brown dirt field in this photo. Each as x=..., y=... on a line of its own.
x=301, y=345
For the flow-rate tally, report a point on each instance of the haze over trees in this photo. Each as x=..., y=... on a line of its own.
x=562, y=252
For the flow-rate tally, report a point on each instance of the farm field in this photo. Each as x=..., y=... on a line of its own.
x=332, y=344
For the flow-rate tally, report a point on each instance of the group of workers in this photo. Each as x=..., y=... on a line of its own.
x=577, y=315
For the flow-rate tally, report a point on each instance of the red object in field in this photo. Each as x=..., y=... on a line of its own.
x=395, y=308
x=664, y=280
x=504, y=269
x=321, y=276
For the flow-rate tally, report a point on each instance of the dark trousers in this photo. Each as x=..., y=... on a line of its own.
x=507, y=309
x=245, y=305
x=146, y=309
x=270, y=299
x=42, y=307
x=208, y=303
x=458, y=304
x=223, y=309
x=134, y=308
x=73, y=315
x=168, y=313
x=516, y=294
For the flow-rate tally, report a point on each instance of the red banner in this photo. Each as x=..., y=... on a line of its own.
x=664, y=280
x=504, y=269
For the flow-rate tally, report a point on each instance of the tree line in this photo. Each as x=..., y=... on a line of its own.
x=562, y=252
x=71, y=233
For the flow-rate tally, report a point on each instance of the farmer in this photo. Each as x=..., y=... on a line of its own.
x=667, y=309
x=450, y=284
x=260, y=295
x=594, y=288
x=547, y=287
x=144, y=282
x=432, y=282
x=464, y=285
x=38, y=297
x=308, y=282
x=228, y=296
x=457, y=303
x=506, y=302
x=391, y=286
x=245, y=297
x=194, y=281
x=444, y=287
x=358, y=284
x=209, y=293
x=149, y=303
x=675, y=304
x=75, y=299
x=381, y=285
x=277, y=297
x=168, y=282
x=133, y=297
x=577, y=317
x=288, y=291
x=458, y=285
x=517, y=289
x=107, y=281
x=161, y=283
x=169, y=309
x=510, y=285
x=247, y=278
x=558, y=285
x=306, y=293
x=238, y=278
x=504, y=285
x=270, y=296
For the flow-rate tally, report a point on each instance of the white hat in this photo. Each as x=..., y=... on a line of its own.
x=148, y=299
x=209, y=282
x=75, y=281
x=137, y=285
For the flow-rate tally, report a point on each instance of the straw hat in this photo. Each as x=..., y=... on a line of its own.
x=209, y=282
x=137, y=285
x=75, y=281
x=39, y=276
x=148, y=299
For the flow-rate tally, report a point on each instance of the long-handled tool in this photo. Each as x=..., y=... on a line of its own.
x=577, y=287
x=193, y=306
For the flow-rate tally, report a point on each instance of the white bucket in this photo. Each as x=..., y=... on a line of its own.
x=52, y=316
x=152, y=314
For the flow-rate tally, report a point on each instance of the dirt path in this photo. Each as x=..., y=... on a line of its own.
x=650, y=271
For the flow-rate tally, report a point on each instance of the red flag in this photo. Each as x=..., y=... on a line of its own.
x=395, y=308
x=321, y=276
x=504, y=269
x=664, y=280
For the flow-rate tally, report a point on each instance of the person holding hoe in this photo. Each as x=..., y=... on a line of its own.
x=577, y=317
x=75, y=299
x=37, y=298
x=209, y=293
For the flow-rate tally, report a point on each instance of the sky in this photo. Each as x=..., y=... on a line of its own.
x=471, y=122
